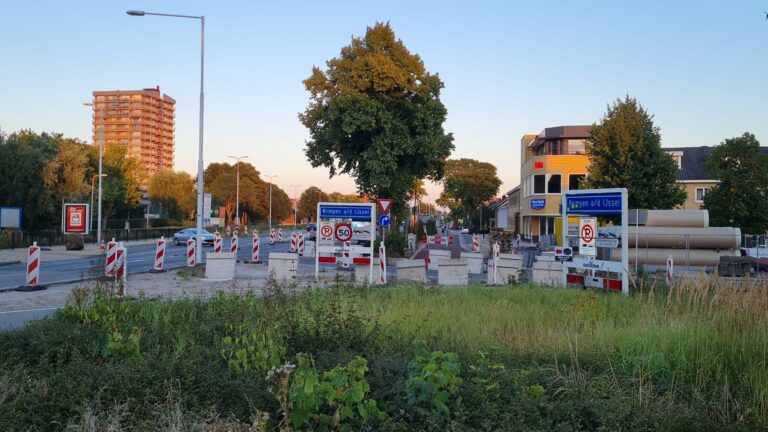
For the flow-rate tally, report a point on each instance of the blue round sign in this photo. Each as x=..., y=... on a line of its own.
x=384, y=220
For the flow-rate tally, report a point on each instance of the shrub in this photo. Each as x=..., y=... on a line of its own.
x=396, y=244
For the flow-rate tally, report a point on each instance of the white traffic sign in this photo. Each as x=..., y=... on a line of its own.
x=325, y=232
x=611, y=243
x=344, y=232
x=384, y=204
x=587, y=234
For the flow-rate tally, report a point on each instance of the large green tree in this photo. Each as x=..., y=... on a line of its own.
x=121, y=187
x=375, y=113
x=468, y=184
x=740, y=198
x=173, y=193
x=307, y=206
x=625, y=152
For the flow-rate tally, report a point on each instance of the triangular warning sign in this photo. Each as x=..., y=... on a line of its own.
x=384, y=204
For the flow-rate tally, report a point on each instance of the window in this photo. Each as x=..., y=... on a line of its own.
x=701, y=193
x=539, y=182
x=553, y=185
x=575, y=181
x=576, y=146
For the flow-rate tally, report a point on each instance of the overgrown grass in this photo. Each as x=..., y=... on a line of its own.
x=690, y=358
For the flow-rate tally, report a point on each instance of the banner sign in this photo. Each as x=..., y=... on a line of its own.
x=602, y=204
x=76, y=219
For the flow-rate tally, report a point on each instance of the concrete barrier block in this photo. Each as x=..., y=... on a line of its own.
x=411, y=270
x=474, y=260
x=453, y=272
x=436, y=255
x=507, y=272
x=548, y=273
x=220, y=266
x=282, y=266
x=362, y=273
x=309, y=248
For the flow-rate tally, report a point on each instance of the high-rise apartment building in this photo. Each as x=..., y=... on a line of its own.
x=140, y=120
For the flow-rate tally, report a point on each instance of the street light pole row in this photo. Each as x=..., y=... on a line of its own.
x=237, y=188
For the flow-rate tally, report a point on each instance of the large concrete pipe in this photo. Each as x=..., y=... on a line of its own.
x=718, y=238
x=658, y=256
x=678, y=218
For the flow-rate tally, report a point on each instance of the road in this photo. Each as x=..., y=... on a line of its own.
x=140, y=260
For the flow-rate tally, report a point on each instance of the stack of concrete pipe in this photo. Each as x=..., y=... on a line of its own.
x=685, y=235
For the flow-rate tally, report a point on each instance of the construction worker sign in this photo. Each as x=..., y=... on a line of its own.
x=587, y=234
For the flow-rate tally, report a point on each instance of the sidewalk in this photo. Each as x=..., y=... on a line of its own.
x=59, y=253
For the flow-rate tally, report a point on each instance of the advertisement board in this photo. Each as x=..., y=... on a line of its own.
x=76, y=219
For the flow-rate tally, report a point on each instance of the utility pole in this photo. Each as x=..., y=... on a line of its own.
x=295, y=204
x=237, y=193
x=270, y=199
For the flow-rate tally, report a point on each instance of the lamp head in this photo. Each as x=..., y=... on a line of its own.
x=135, y=13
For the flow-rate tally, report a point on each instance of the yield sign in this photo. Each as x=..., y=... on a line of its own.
x=384, y=204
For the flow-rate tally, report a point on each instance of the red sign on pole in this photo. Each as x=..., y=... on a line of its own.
x=384, y=204
x=76, y=219
x=343, y=232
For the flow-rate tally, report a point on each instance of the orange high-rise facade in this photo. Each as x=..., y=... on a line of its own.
x=140, y=120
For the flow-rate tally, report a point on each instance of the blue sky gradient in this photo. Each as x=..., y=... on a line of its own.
x=509, y=68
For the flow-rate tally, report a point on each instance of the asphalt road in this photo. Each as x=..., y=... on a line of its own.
x=141, y=259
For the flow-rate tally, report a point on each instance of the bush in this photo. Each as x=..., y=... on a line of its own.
x=396, y=244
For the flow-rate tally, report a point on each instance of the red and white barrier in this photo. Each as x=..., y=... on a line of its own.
x=279, y=235
x=383, y=264
x=159, y=256
x=345, y=261
x=33, y=265
x=245, y=229
x=111, y=257
x=496, y=256
x=229, y=230
x=191, y=261
x=475, y=243
x=300, y=243
x=272, y=236
x=437, y=240
x=255, y=248
x=293, y=242
x=233, y=246
x=121, y=270
x=217, y=242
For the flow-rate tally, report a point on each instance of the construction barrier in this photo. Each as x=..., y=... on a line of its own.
x=229, y=230
x=293, y=242
x=496, y=254
x=33, y=265
x=159, y=256
x=255, y=249
x=233, y=245
x=272, y=236
x=345, y=260
x=383, y=264
x=111, y=257
x=475, y=244
x=217, y=242
x=437, y=240
x=121, y=270
x=279, y=235
x=300, y=243
x=191, y=261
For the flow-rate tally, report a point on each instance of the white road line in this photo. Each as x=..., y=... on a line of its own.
x=31, y=310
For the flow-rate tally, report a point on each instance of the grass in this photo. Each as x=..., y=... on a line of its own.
x=689, y=358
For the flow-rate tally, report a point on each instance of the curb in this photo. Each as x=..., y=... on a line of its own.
x=7, y=263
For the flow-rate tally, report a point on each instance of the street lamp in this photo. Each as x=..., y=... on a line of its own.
x=270, y=199
x=199, y=217
x=237, y=194
x=100, y=175
x=93, y=179
x=295, y=204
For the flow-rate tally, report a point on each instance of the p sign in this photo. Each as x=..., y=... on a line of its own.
x=344, y=232
x=325, y=232
x=587, y=234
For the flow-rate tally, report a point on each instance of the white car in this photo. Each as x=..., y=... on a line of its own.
x=465, y=230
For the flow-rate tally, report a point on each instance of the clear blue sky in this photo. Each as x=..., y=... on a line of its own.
x=509, y=68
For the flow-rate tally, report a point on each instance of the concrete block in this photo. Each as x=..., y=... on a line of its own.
x=282, y=266
x=474, y=260
x=220, y=266
x=411, y=270
x=453, y=272
x=436, y=255
x=507, y=272
x=548, y=273
x=309, y=248
x=362, y=273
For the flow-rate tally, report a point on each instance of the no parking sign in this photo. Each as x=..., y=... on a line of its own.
x=587, y=234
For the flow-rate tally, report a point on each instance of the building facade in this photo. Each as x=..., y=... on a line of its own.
x=553, y=161
x=142, y=121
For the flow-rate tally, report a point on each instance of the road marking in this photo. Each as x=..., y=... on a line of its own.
x=31, y=310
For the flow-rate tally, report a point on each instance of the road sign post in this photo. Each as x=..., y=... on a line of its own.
x=587, y=234
x=337, y=224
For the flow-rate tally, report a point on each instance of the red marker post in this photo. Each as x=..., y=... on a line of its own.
x=33, y=270
x=159, y=266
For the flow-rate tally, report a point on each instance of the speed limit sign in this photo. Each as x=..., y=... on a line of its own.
x=343, y=232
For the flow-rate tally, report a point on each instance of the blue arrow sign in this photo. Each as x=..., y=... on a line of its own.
x=384, y=220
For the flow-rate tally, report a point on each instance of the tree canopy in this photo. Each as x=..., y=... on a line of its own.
x=221, y=183
x=625, y=152
x=740, y=198
x=173, y=193
x=467, y=185
x=307, y=205
x=375, y=113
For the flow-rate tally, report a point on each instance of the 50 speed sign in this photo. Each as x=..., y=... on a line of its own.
x=343, y=232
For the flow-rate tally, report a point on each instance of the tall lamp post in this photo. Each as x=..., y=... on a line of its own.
x=295, y=204
x=237, y=193
x=199, y=217
x=100, y=175
x=93, y=179
x=270, y=200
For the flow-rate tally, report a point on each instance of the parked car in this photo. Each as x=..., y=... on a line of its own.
x=312, y=229
x=182, y=236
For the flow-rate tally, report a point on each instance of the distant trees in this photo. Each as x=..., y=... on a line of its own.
x=173, y=193
x=741, y=197
x=468, y=184
x=625, y=151
x=307, y=205
x=375, y=114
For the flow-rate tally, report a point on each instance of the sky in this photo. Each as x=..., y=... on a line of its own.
x=509, y=68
